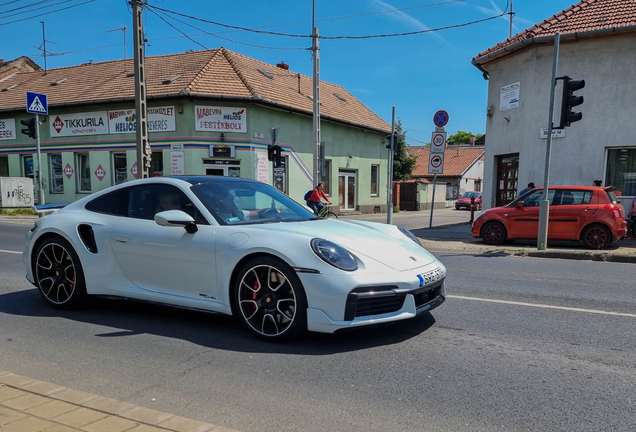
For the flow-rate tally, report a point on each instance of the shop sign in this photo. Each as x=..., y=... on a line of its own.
x=7, y=129
x=220, y=119
x=160, y=119
x=92, y=123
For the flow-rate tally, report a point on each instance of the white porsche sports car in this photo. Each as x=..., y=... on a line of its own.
x=233, y=246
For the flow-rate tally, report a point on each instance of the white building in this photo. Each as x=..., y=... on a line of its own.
x=598, y=44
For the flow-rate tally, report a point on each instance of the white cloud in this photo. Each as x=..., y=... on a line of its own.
x=404, y=18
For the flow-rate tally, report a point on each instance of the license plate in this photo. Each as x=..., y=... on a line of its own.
x=430, y=277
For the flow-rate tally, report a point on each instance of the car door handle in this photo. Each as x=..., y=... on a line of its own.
x=119, y=239
x=589, y=208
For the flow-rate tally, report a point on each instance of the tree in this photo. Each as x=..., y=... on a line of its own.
x=403, y=164
x=461, y=137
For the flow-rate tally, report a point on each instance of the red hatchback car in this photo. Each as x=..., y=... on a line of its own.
x=592, y=215
x=464, y=200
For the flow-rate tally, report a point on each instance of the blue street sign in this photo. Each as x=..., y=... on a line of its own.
x=37, y=103
x=440, y=118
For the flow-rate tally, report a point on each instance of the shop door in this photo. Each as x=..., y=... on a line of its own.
x=507, y=179
x=347, y=190
x=222, y=170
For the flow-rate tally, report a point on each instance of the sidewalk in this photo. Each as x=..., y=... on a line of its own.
x=458, y=238
x=28, y=405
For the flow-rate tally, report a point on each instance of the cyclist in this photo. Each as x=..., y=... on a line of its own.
x=315, y=199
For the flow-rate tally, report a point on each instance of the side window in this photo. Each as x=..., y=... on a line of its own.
x=574, y=197
x=535, y=198
x=146, y=201
x=114, y=203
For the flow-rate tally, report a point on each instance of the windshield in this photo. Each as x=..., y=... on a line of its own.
x=248, y=202
x=470, y=195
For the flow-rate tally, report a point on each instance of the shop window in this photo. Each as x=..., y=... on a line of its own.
x=120, y=170
x=4, y=166
x=375, y=173
x=157, y=164
x=83, y=170
x=621, y=170
x=57, y=173
x=325, y=176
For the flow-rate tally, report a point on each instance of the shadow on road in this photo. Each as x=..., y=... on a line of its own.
x=128, y=318
x=487, y=254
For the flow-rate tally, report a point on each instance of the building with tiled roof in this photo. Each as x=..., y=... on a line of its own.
x=216, y=105
x=12, y=67
x=598, y=45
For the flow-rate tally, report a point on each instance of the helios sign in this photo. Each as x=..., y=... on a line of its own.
x=220, y=119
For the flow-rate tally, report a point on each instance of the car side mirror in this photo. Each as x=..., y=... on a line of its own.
x=172, y=218
x=521, y=204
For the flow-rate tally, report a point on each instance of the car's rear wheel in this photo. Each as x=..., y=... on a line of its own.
x=270, y=300
x=58, y=273
x=494, y=233
x=596, y=236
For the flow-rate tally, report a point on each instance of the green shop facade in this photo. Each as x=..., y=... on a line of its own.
x=88, y=147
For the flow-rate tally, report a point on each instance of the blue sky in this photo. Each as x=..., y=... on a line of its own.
x=419, y=74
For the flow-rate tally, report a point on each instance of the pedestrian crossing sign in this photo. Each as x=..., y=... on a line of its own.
x=37, y=103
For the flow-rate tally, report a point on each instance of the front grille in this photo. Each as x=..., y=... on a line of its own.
x=372, y=301
x=422, y=298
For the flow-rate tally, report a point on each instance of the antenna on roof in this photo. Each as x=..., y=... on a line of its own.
x=512, y=14
x=42, y=46
x=122, y=29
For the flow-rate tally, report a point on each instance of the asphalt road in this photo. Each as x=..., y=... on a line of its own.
x=530, y=362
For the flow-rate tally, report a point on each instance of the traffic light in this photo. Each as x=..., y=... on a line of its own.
x=278, y=156
x=392, y=145
x=569, y=101
x=271, y=151
x=30, y=130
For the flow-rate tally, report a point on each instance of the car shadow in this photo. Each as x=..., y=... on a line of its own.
x=209, y=330
x=486, y=254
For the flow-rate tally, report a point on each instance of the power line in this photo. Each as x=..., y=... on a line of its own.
x=162, y=19
x=47, y=13
x=226, y=39
x=27, y=6
x=35, y=10
x=7, y=3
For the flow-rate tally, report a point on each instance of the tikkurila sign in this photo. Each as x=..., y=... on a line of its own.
x=160, y=119
x=93, y=123
x=220, y=119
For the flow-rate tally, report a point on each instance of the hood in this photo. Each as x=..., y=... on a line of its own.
x=380, y=242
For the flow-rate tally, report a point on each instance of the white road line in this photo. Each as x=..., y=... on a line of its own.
x=12, y=252
x=544, y=306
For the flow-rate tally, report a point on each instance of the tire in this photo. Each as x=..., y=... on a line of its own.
x=596, y=236
x=493, y=233
x=276, y=310
x=58, y=274
x=331, y=215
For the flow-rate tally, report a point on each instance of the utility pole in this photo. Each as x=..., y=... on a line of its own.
x=37, y=138
x=143, y=147
x=544, y=211
x=389, y=195
x=44, y=43
x=512, y=14
x=316, y=75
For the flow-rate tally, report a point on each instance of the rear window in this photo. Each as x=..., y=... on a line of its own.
x=612, y=197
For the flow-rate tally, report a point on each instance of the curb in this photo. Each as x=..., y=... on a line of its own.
x=83, y=403
x=442, y=226
x=581, y=256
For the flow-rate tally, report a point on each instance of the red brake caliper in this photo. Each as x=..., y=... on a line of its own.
x=255, y=293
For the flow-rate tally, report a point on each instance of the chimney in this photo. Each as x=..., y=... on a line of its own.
x=282, y=65
x=472, y=139
x=1, y=61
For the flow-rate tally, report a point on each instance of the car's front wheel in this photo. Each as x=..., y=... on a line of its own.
x=58, y=273
x=270, y=300
x=596, y=237
x=493, y=233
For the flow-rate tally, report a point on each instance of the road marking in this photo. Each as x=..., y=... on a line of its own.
x=13, y=252
x=537, y=305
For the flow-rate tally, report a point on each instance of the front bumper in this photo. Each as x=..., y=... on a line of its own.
x=414, y=302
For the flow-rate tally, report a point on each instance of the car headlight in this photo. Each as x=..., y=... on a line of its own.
x=334, y=255
x=409, y=234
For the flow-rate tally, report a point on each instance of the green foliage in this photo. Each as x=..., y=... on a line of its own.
x=396, y=209
x=461, y=137
x=17, y=212
x=403, y=164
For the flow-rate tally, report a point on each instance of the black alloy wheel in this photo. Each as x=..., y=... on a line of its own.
x=493, y=233
x=596, y=236
x=58, y=273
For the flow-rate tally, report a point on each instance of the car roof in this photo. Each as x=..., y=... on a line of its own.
x=209, y=179
x=574, y=187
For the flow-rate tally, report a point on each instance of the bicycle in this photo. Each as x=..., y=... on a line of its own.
x=326, y=213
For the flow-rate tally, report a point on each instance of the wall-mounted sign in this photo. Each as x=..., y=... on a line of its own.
x=556, y=133
x=262, y=168
x=509, y=98
x=222, y=151
x=160, y=119
x=7, y=129
x=220, y=119
x=91, y=123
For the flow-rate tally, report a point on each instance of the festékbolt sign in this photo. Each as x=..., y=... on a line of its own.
x=160, y=119
x=7, y=129
x=220, y=119
x=91, y=123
